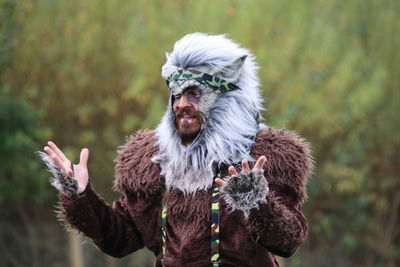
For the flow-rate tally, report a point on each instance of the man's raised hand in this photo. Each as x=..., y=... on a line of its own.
x=245, y=167
x=245, y=190
x=78, y=172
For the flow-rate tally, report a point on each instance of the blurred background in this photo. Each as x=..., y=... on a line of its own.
x=87, y=74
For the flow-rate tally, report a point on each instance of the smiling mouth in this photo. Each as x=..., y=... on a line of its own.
x=186, y=118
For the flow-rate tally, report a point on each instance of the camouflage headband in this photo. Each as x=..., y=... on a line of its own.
x=217, y=84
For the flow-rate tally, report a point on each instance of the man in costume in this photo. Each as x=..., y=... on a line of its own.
x=211, y=185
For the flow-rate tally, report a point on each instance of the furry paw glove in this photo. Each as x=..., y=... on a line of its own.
x=60, y=180
x=245, y=191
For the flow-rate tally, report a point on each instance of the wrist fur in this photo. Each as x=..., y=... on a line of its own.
x=60, y=180
x=245, y=191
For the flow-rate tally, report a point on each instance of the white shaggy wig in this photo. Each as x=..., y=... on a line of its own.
x=226, y=135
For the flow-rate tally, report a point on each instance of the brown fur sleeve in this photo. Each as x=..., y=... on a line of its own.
x=109, y=227
x=279, y=226
x=112, y=227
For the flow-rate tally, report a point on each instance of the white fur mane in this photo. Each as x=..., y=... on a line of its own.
x=225, y=135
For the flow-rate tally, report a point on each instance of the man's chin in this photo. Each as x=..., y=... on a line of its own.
x=188, y=137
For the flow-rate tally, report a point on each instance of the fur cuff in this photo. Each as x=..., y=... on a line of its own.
x=245, y=191
x=60, y=180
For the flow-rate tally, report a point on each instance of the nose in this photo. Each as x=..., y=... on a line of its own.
x=183, y=101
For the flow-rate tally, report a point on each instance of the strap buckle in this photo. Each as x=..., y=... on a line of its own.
x=215, y=263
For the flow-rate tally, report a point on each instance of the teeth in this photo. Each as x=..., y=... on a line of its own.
x=187, y=120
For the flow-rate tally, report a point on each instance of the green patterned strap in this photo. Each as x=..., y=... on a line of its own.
x=217, y=84
x=214, y=224
x=164, y=225
x=215, y=200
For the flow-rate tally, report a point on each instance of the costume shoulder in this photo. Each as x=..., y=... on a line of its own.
x=289, y=162
x=134, y=170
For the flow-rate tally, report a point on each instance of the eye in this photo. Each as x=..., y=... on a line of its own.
x=194, y=96
x=194, y=93
x=176, y=98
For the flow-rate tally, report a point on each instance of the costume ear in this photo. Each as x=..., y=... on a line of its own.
x=232, y=72
x=168, y=68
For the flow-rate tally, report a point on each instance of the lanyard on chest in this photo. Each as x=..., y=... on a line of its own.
x=215, y=210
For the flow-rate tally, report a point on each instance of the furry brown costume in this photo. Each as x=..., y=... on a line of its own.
x=134, y=221
x=259, y=211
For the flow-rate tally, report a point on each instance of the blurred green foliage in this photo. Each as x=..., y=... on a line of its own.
x=20, y=133
x=329, y=70
x=19, y=167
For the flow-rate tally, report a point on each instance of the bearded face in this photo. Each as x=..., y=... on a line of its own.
x=188, y=119
x=193, y=95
